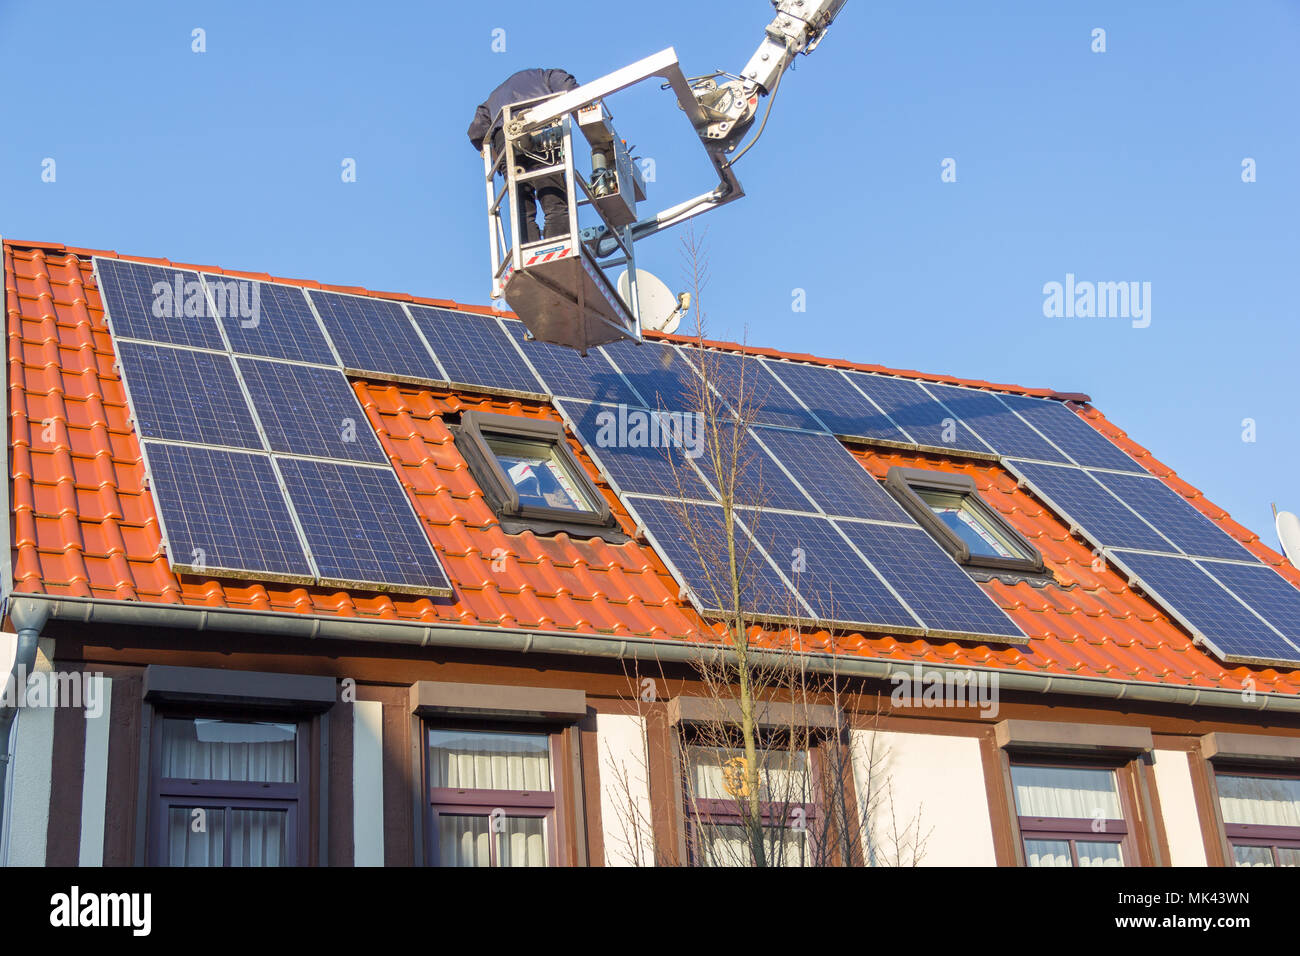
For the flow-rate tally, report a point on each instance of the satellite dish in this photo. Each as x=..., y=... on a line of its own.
x=1288, y=532
x=661, y=311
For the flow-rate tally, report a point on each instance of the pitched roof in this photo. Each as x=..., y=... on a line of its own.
x=85, y=525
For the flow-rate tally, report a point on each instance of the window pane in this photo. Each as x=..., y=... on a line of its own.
x=195, y=840
x=965, y=521
x=1047, y=853
x=728, y=845
x=718, y=773
x=258, y=837
x=1253, y=855
x=230, y=750
x=1098, y=854
x=484, y=760
x=1267, y=801
x=1288, y=856
x=537, y=474
x=1076, y=793
x=463, y=841
x=522, y=842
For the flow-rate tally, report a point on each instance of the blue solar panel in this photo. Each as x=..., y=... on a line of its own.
x=826, y=572
x=161, y=305
x=1002, y=430
x=930, y=582
x=742, y=379
x=840, y=406
x=307, y=410
x=1209, y=611
x=633, y=450
x=281, y=326
x=1104, y=519
x=475, y=351
x=183, y=395
x=223, y=513
x=567, y=374
x=1070, y=433
x=834, y=478
x=917, y=413
x=1271, y=596
x=1174, y=516
x=374, y=335
x=360, y=527
x=662, y=377
x=758, y=481
x=690, y=538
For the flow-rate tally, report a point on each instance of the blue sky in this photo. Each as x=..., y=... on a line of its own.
x=1117, y=166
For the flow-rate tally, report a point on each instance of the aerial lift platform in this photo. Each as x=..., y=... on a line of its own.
x=558, y=286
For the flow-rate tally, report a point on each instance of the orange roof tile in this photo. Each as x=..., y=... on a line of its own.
x=85, y=525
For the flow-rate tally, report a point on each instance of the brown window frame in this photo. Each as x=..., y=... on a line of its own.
x=1251, y=834
x=1076, y=830
x=554, y=805
x=903, y=484
x=499, y=492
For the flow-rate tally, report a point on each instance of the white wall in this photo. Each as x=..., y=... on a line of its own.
x=28, y=804
x=624, y=790
x=368, y=783
x=1173, y=777
x=94, y=782
x=936, y=786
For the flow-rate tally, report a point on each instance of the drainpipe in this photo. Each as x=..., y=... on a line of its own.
x=28, y=617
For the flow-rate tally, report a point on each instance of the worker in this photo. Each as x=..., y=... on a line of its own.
x=549, y=190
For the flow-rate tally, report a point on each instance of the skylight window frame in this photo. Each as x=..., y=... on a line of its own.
x=472, y=440
x=906, y=485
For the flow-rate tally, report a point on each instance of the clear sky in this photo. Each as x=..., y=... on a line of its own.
x=1123, y=165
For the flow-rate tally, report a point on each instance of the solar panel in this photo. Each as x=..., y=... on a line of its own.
x=834, y=478
x=474, y=350
x=1002, y=430
x=633, y=446
x=184, y=395
x=567, y=374
x=743, y=379
x=1205, y=608
x=223, y=513
x=913, y=409
x=374, y=335
x=306, y=410
x=161, y=305
x=1070, y=433
x=1271, y=596
x=1104, y=519
x=360, y=527
x=827, y=573
x=840, y=406
x=694, y=547
x=1174, y=516
x=282, y=324
x=930, y=582
x=758, y=481
x=662, y=377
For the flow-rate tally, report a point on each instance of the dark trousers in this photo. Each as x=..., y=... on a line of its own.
x=548, y=191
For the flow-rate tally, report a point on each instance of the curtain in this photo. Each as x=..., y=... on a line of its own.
x=728, y=845
x=1077, y=793
x=482, y=760
x=257, y=837
x=1252, y=855
x=782, y=775
x=1267, y=801
x=1095, y=853
x=467, y=841
x=1047, y=852
x=189, y=848
x=230, y=750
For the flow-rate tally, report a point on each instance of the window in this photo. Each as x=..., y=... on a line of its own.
x=1070, y=815
x=949, y=507
x=492, y=796
x=1261, y=817
x=715, y=788
x=529, y=476
x=229, y=792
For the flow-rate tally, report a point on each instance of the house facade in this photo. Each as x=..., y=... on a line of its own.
x=540, y=700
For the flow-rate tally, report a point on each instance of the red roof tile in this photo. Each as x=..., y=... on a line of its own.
x=85, y=525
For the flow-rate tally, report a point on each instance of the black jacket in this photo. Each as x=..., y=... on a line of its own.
x=524, y=85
